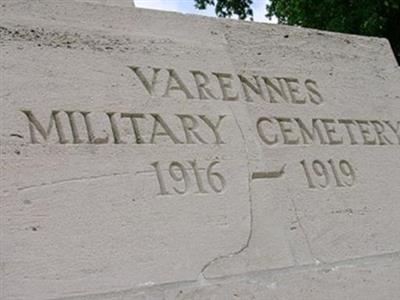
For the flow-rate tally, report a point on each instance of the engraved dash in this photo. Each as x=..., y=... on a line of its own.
x=271, y=174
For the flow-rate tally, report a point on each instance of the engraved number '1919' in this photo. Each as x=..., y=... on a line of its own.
x=320, y=174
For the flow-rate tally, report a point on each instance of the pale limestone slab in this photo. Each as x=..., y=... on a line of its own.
x=121, y=3
x=167, y=175
x=353, y=281
x=371, y=278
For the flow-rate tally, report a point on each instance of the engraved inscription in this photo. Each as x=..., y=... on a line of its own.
x=228, y=87
x=322, y=175
x=178, y=178
x=76, y=127
x=184, y=178
x=295, y=131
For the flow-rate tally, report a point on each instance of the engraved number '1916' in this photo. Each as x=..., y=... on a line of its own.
x=179, y=173
x=320, y=173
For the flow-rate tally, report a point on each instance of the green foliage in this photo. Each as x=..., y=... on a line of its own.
x=227, y=8
x=366, y=17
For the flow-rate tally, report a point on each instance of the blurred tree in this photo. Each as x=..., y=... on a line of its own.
x=227, y=8
x=366, y=17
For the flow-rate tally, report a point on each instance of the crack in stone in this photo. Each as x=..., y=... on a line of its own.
x=246, y=245
x=251, y=217
x=378, y=259
x=77, y=179
x=296, y=213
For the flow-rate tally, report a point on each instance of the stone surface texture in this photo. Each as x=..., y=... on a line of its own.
x=153, y=155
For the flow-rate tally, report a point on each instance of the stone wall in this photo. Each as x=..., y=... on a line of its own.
x=153, y=155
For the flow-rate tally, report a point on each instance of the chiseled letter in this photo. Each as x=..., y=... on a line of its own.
x=380, y=130
x=330, y=130
x=179, y=85
x=34, y=125
x=313, y=94
x=248, y=85
x=214, y=127
x=114, y=128
x=190, y=125
x=395, y=130
x=89, y=128
x=309, y=135
x=261, y=133
x=274, y=89
x=225, y=83
x=350, y=133
x=286, y=128
x=74, y=127
x=366, y=132
x=150, y=86
x=158, y=121
x=294, y=90
x=202, y=81
x=135, y=125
